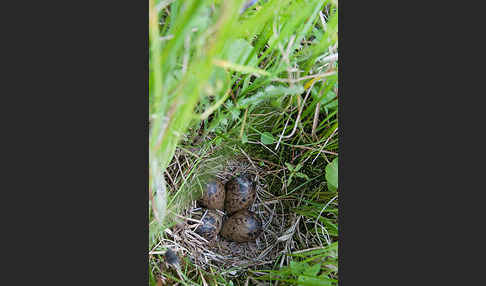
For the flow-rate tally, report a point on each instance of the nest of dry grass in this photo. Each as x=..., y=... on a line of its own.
x=234, y=258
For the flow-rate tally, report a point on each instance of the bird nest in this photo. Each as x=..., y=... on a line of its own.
x=233, y=258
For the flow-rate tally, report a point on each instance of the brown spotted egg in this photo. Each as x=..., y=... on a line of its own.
x=210, y=225
x=240, y=194
x=213, y=196
x=242, y=226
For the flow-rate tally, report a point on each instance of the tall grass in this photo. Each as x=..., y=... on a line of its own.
x=265, y=80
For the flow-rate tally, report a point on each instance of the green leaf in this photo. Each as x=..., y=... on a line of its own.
x=312, y=271
x=289, y=166
x=244, y=139
x=266, y=138
x=298, y=167
x=282, y=90
x=270, y=93
x=297, y=267
x=237, y=52
x=152, y=281
x=312, y=281
x=252, y=100
x=154, y=230
x=235, y=113
x=332, y=175
x=202, y=19
x=302, y=175
x=219, y=80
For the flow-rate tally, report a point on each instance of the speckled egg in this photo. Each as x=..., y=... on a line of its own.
x=242, y=226
x=240, y=194
x=211, y=225
x=213, y=196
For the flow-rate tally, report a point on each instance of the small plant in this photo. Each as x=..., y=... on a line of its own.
x=313, y=267
x=294, y=171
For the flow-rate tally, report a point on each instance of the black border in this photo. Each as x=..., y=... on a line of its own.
x=399, y=176
x=80, y=144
